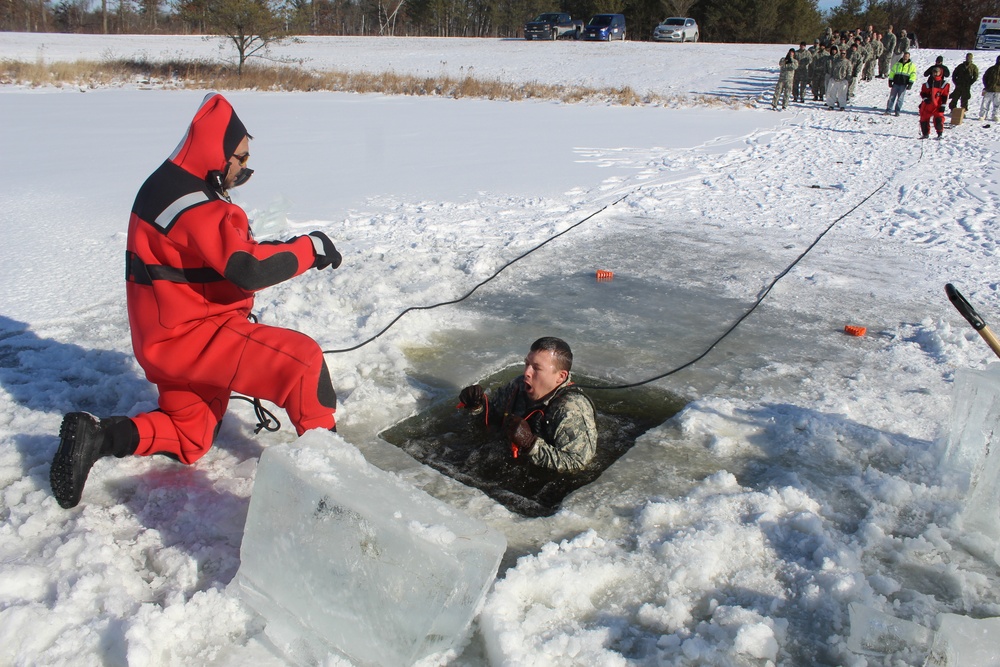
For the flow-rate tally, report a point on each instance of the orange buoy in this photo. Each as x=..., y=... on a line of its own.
x=604, y=276
x=853, y=330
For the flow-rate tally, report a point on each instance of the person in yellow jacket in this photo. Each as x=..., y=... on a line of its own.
x=901, y=78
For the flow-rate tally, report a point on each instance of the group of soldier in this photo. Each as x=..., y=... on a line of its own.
x=831, y=67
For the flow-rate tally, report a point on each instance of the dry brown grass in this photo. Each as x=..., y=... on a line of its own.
x=219, y=76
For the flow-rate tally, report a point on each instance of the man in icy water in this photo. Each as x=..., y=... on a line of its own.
x=541, y=414
x=192, y=267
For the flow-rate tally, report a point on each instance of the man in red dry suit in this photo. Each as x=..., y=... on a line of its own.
x=933, y=101
x=191, y=270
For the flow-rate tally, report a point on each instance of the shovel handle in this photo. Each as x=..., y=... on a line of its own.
x=973, y=318
x=964, y=307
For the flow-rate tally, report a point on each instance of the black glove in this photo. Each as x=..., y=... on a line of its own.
x=326, y=252
x=909, y=85
x=941, y=109
x=926, y=98
x=472, y=398
x=519, y=434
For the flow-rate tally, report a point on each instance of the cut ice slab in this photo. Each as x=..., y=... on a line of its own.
x=342, y=558
x=967, y=642
x=876, y=633
x=973, y=456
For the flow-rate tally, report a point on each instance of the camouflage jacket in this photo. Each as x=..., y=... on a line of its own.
x=857, y=59
x=991, y=79
x=965, y=74
x=805, y=58
x=787, y=67
x=563, y=421
x=821, y=66
x=840, y=69
x=889, y=43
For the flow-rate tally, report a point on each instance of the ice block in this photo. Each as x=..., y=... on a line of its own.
x=342, y=558
x=973, y=450
x=967, y=642
x=876, y=633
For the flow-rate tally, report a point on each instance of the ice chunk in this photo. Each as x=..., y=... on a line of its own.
x=341, y=557
x=877, y=633
x=975, y=413
x=967, y=642
x=973, y=443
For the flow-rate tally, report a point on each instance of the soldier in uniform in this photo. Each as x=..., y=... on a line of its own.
x=874, y=56
x=856, y=55
x=872, y=52
x=787, y=67
x=819, y=71
x=826, y=41
x=991, y=92
x=801, y=80
x=546, y=420
x=840, y=77
x=902, y=44
x=886, y=62
x=965, y=74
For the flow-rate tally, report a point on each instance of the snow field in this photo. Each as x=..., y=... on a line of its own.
x=804, y=475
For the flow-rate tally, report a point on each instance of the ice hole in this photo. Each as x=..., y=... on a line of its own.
x=457, y=445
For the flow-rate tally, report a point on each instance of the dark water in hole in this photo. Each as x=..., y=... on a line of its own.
x=456, y=444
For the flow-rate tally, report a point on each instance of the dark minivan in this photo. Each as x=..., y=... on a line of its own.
x=605, y=27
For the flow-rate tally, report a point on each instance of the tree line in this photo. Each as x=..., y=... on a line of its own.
x=944, y=24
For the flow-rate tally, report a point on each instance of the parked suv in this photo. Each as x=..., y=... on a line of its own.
x=552, y=25
x=605, y=27
x=677, y=29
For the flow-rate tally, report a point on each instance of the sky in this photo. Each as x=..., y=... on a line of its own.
x=815, y=487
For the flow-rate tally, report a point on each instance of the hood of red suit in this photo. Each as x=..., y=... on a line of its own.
x=211, y=139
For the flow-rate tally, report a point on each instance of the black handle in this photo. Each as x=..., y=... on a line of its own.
x=964, y=307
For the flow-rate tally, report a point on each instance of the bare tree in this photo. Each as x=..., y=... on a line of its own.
x=251, y=25
x=386, y=20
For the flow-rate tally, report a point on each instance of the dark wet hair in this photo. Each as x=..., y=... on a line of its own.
x=560, y=351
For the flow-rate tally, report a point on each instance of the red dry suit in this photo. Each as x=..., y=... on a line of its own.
x=933, y=98
x=192, y=267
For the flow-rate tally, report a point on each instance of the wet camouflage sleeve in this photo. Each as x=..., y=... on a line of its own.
x=499, y=401
x=572, y=439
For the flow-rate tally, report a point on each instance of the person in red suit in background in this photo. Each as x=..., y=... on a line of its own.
x=933, y=101
x=192, y=267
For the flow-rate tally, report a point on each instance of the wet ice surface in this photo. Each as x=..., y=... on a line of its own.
x=666, y=306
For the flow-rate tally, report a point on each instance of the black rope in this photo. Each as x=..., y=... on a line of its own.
x=266, y=421
x=760, y=298
x=495, y=274
x=714, y=344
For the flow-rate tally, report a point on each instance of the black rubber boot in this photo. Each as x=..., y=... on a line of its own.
x=83, y=439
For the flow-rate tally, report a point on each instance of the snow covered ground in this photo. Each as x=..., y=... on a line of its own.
x=804, y=475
